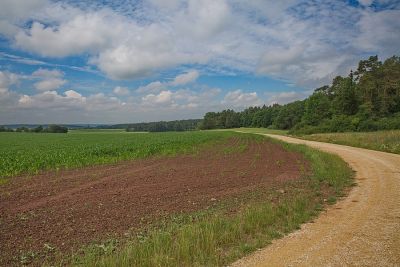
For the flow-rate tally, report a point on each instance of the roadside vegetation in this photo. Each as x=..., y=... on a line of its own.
x=368, y=99
x=387, y=141
x=31, y=153
x=220, y=235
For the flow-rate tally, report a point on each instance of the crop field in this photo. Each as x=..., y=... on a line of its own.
x=166, y=199
x=28, y=153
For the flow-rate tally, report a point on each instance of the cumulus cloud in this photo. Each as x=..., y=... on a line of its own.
x=153, y=87
x=121, y=91
x=49, y=84
x=7, y=97
x=14, y=12
x=53, y=100
x=185, y=78
x=162, y=98
x=240, y=99
x=181, y=79
x=49, y=79
x=7, y=79
x=365, y=2
x=69, y=101
x=284, y=97
x=379, y=29
x=283, y=39
x=81, y=33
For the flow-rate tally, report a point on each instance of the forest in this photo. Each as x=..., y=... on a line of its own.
x=162, y=126
x=368, y=99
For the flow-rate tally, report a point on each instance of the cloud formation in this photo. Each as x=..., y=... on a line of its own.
x=240, y=99
x=185, y=78
x=304, y=43
x=49, y=79
x=284, y=39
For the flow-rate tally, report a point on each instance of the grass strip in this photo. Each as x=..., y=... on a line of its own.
x=386, y=141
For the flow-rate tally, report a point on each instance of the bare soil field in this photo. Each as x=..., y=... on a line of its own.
x=64, y=210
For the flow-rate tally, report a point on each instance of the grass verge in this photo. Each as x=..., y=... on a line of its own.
x=222, y=235
x=387, y=141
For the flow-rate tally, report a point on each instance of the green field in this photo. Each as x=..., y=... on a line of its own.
x=29, y=153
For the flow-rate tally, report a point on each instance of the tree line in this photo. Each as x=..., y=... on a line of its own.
x=368, y=99
x=162, y=126
x=39, y=129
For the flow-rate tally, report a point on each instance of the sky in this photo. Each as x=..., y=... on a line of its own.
x=118, y=61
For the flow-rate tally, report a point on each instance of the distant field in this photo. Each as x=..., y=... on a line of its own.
x=29, y=153
x=387, y=141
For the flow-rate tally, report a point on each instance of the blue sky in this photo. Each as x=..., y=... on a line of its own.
x=130, y=61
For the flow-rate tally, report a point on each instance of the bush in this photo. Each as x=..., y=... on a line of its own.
x=56, y=129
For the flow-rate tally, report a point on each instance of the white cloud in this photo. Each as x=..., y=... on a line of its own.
x=8, y=98
x=69, y=101
x=153, y=87
x=179, y=80
x=52, y=100
x=365, y=2
x=162, y=98
x=284, y=97
x=15, y=11
x=49, y=84
x=379, y=30
x=7, y=79
x=185, y=78
x=240, y=99
x=73, y=94
x=203, y=19
x=49, y=79
x=121, y=91
x=83, y=33
x=46, y=73
x=283, y=39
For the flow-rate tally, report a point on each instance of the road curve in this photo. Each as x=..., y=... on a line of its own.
x=363, y=229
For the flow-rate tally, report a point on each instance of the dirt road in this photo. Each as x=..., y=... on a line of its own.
x=361, y=230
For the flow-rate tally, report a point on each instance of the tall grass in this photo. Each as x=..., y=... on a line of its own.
x=218, y=237
x=387, y=141
x=262, y=130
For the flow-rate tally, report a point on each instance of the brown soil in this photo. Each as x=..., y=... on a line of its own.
x=68, y=209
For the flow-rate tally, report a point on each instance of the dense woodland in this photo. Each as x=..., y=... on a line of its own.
x=163, y=126
x=368, y=99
